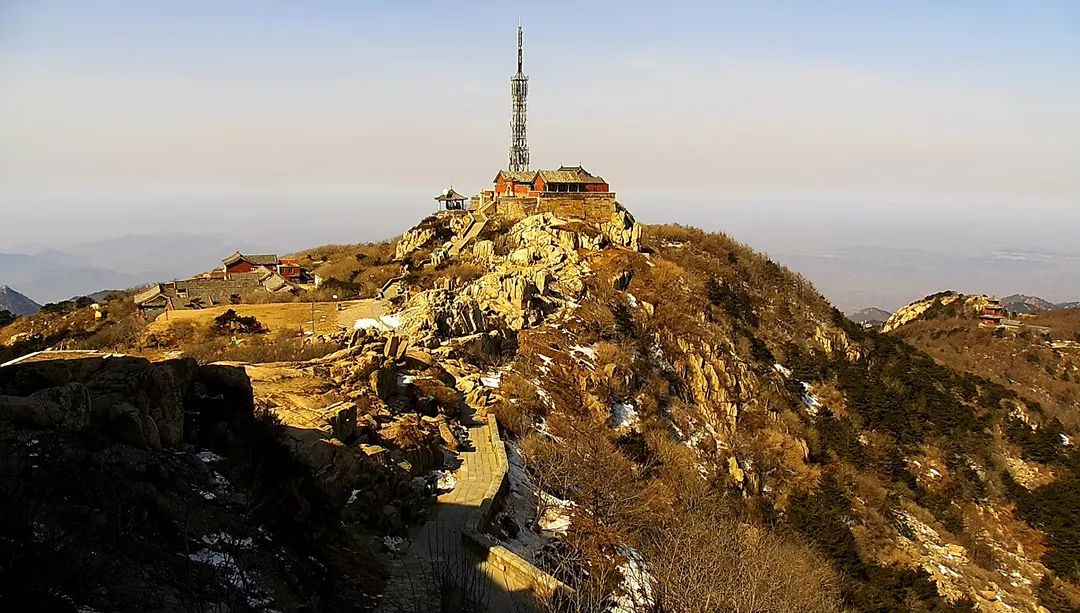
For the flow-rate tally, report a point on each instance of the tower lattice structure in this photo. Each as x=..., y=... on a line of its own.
x=519, y=90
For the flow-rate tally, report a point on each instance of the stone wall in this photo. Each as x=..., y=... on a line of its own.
x=513, y=569
x=592, y=208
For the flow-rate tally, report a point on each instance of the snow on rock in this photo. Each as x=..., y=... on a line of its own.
x=635, y=593
x=444, y=481
x=624, y=415
x=810, y=399
x=227, y=563
x=780, y=368
x=227, y=540
x=588, y=352
x=556, y=514
x=1065, y=440
x=393, y=544
x=491, y=379
x=521, y=507
x=209, y=457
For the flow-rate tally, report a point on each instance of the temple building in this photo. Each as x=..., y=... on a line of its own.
x=567, y=179
x=992, y=314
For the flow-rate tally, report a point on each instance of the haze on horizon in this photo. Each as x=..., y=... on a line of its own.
x=886, y=151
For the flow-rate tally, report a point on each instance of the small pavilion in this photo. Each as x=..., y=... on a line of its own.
x=451, y=200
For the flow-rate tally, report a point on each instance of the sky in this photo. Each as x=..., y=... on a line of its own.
x=801, y=128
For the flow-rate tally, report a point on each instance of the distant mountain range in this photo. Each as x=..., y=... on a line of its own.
x=13, y=301
x=1021, y=303
x=855, y=277
x=50, y=275
x=1015, y=303
x=871, y=316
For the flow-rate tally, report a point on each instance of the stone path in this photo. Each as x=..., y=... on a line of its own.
x=440, y=538
x=476, y=226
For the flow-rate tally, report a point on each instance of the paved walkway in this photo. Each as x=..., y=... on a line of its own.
x=438, y=555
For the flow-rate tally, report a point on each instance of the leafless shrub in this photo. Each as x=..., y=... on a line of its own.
x=443, y=577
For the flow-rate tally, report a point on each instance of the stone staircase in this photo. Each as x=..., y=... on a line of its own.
x=476, y=226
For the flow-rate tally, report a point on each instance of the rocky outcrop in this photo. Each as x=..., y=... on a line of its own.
x=143, y=403
x=718, y=383
x=411, y=241
x=64, y=407
x=835, y=343
x=622, y=229
x=944, y=303
x=541, y=272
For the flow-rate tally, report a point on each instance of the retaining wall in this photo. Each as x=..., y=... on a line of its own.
x=513, y=567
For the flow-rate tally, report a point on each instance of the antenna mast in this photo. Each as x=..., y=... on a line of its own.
x=519, y=89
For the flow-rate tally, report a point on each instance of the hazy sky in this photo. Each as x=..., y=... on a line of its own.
x=798, y=124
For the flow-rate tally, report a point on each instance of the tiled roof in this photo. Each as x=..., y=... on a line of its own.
x=267, y=259
x=569, y=174
x=518, y=176
x=148, y=294
x=449, y=195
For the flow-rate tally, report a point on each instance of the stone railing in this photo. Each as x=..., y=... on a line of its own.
x=515, y=569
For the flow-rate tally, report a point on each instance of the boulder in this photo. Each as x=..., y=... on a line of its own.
x=384, y=381
x=65, y=407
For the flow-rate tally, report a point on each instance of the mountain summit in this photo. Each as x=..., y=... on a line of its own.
x=649, y=417
x=14, y=302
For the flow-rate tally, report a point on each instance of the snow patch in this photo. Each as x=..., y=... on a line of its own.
x=635, y=593
x=445, y=481
x=555, y=515
x=393, y=544
x=784, y=370
x=521, y=507
x=383, y=323
x=588, y=352
x=227, y=563
x=227, y=540
x=810, y=399
x=624, y=415
x=491, y=379
x=209, y=457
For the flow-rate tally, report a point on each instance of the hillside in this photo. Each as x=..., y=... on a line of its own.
x=689, y=426
x=1039, y=362
x=16, y=303
x=937, y=306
